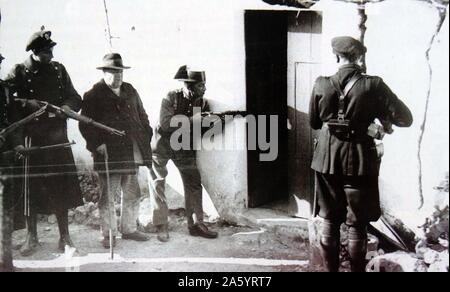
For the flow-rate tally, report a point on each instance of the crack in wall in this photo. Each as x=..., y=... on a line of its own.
x=441, y=6
x=363, y=28
x=442, y=10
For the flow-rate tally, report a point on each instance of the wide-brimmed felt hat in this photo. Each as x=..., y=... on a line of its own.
x=113, y=61
x=185, y=74
x=40, y=41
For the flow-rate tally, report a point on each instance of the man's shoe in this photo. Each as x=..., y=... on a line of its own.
x=136, y=236
x=106, y=242
x=163, y=233
x=201, y=230
x=65, y=241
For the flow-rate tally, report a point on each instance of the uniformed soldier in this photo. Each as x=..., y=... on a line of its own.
x=53, y=183
x=180, y=102
x=346, y=160
x=8, y=115
x=117, y=104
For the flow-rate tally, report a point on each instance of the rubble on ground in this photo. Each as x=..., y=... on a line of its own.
x=431, y=251
x=397, y=262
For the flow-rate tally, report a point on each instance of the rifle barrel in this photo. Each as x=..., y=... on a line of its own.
x=39, y=148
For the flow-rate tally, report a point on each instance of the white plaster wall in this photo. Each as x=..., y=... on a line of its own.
x=154, y=37
x=209, y=34
x=398, y=34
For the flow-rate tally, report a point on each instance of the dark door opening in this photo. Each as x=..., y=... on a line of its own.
x=266, y=72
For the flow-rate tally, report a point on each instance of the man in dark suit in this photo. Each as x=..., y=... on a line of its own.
x=346, y=160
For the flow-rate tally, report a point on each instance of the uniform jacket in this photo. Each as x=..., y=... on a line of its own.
x=177, y=102
x=50, y=83
x=125, y=113
x=8, y=115
x=369, y=99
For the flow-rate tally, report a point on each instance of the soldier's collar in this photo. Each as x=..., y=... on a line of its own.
x=188, y=95
x=31, y=65
x=350, y=66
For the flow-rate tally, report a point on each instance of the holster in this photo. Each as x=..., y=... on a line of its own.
x=339, y=128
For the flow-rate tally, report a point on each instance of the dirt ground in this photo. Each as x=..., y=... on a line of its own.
x=238, y=249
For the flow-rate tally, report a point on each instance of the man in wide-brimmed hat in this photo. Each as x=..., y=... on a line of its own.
x=53, y=181
x=179, y=103
x=344, y=108
x=117, y=104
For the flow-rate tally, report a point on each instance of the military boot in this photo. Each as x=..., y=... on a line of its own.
x=330, y=255
x=30, y=245
x=357, y=250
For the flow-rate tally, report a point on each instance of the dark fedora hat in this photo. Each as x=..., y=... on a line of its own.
x=187, y=75
x=112, y=61
x=40, y=41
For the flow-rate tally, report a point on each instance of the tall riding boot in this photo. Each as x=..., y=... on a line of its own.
x=32, y=242
x=63, y=225
x=330, y=246
x=357, y=249
x=330, y=254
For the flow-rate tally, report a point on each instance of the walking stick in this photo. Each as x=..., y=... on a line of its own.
x=111, y=217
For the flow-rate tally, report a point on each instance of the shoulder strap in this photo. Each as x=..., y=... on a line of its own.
x=344, y=93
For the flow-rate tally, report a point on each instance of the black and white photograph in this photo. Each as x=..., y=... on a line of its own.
x=240, y=138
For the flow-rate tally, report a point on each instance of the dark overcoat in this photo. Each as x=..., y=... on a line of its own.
x=369, y=99
x=54, y=184
x=10, y=165
x=125, y=113
x=8, y=115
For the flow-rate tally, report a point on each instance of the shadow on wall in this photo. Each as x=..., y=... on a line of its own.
x=301, y=176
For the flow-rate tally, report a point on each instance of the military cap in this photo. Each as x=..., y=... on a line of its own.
x=40, y=41
x=113, y=61
x=187, y=75
x=348, y=46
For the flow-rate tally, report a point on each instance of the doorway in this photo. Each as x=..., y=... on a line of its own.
x=266, y=67
x=283, y=60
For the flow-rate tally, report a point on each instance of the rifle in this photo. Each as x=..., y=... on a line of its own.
x=10, y=129
x=73, y=115
x=225, y=113
x=31, y=150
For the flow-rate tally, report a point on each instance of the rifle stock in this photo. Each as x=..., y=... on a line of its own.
x=8, y=130
x=75, y=116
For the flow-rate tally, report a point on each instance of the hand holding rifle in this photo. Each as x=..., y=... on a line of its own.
x=223, y=115
x=66, y=112
x=20, y=151
x=10, y=129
